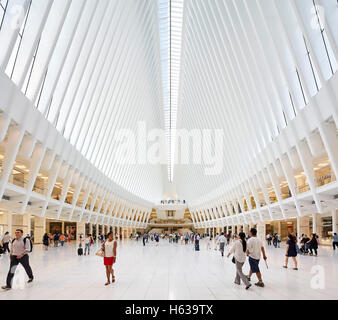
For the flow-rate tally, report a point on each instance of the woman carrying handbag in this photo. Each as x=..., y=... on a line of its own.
x=108, y=252
x=239, y=251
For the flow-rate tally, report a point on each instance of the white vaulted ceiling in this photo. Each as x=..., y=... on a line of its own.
x=247, y=67
x=95, y=70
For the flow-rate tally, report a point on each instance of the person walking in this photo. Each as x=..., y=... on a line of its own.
x=269, y=238
x=335, y=241
x=228, y=238
x=45, y=241
x=157, y=239
x=56, y=240
x=109, y=248
x=238, y=249
x=209, y=243
x=291, y=251
x=197, y=242
x=5, y=241
x=275, y=240
x=62, y=239
x=19, y=254
x=222, y=240
x=186, y=240
x=87, y=245
x=216, y=242
x=144, y=238
x=313, y=244
x=254, y=249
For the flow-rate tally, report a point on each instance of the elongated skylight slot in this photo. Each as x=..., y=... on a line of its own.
x=171, y=20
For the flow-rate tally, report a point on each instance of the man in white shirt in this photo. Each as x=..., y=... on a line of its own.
x=254, y=249
x=222, y=241
x=19, y=254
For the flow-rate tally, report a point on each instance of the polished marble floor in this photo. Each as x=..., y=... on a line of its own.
x=169, y=271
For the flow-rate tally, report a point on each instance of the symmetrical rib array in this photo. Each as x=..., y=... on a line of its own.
x=264, y=72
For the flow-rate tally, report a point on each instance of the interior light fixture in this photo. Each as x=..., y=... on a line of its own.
x=321, y=165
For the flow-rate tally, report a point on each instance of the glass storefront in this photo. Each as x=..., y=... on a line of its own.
x=326, y=228
x=55, y=227
x=70, y=229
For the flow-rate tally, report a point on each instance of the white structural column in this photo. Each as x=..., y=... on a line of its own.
x=314, y=223
x=80, y=230
x=39, y=229
x=261, y=231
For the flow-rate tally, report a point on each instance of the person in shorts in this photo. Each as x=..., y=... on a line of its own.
x=254, y=249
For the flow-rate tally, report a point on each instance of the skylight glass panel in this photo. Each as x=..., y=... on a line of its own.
x=171, y=22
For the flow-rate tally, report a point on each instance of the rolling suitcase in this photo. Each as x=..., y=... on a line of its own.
x=197, y=246
x=80, y=251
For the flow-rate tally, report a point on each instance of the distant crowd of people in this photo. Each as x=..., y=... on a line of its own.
x=55, y=239
x=184, y=239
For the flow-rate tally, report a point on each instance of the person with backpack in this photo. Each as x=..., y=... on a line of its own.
x=20, y=248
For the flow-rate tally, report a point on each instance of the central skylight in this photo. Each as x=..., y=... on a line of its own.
x=171, y=20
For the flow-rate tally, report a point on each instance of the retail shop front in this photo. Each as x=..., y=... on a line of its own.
x=324, y=225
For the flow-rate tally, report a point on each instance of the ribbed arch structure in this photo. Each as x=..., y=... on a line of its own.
x=76, y=75
x=91, y=68
x=73, y=75
x=264, y=72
